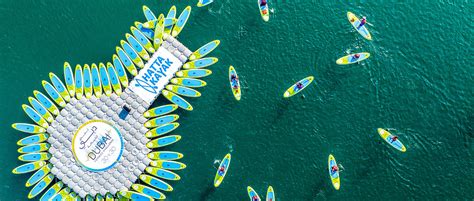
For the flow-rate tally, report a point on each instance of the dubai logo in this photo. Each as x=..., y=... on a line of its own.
x=95, y=134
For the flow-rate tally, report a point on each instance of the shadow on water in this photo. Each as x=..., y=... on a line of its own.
x=282, y=108
x=318, y=190
x=207, y=192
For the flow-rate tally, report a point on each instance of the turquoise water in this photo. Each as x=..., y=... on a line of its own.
x=418, y=80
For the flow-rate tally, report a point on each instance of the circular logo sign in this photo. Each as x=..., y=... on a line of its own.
x=97, y=145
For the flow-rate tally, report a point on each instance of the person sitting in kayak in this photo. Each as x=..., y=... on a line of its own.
x=334, y=169
x=356, y=56
x=221, y=170
x=255, y=198
x=263, y=3
x=362, y=22
x=299, y=86
x=394, y=138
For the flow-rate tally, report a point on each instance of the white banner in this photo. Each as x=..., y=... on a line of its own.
x=155, y=75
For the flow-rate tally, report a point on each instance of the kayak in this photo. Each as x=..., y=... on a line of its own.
x=225, y=164
x=293, y=90
x=388, y=138
x=264, y=12
x=252, y=193
x=270, y=194
x=182, y=19
x=204, y=50
x=333, y=175
x=354, y=20
x=203, y=3
x=350, y=59
x=234, y=84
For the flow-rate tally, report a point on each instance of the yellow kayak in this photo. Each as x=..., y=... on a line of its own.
x=354, y=20
x=388, y=138
x=293, y=90
x=234, y=83
x=336, y=182
x=221, y=174
x=350, y=59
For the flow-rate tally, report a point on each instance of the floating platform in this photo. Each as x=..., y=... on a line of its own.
x=95, y=135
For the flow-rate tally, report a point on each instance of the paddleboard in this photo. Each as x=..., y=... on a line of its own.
x=96, y=81
x=252, y=193
x=69, y=79
x=48, y=104
x=52, y=191
x=225, y=163
x=204, y=50
x=132, y=54
x=234, y=84
x=293, y=90
x=161, y=130
x=182, y=19
x=28, y=128
x=87, y=76
x=264, y=11
x=177, y=100
x=163, y=174
x=350, y=59
x=270, y=194
x=163, y=141
x=109, y=197
x=141, y=38
x=35, y=116
x=53, y=93
x=335, y=180
x=152, y=123
x=194, y=73
x=200, y=63
x=62, y=195
x=161, y=110
x=38, y=175
x=41, y=109
x=148, y=14
x=114, y=79
x=33, y=148
x=148, y=191
x=165, y=155
x=171, y=15
x=137, y=47
x=126, y=61
x=105, y=80
x=184, y=91
x=169, y=165
x=363, y=31
x=29, y=167
x=388, y=138
x=32, y=157
x=32, y=139
x=40, y=186
x=145, y=31
x=135, y=196
x=202, y=3
x=60, y=87
x=188, y=82
x=159, y=30
x=120, y=71
x=155, y=182
x=79, y=82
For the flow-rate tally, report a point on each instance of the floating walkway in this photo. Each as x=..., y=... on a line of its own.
x=94, y=135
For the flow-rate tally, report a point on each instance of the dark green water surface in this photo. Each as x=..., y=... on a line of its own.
x=418, y=80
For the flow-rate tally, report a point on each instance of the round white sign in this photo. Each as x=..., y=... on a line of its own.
x=97, y=145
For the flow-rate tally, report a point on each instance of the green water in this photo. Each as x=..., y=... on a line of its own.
x=418, y=80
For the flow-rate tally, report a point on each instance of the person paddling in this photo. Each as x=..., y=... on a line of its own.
x=394, y=138
x=356, y=56
x=363, y=21
x=222, y=170
x=299, y=86
x=263, y=3
x=334, y=169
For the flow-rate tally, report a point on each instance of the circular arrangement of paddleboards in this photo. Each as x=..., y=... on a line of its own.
x=95, y=136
